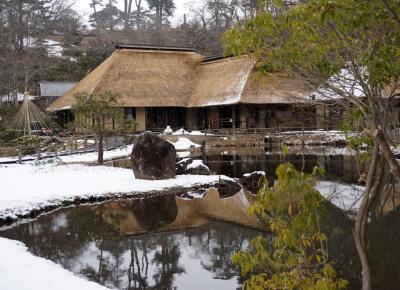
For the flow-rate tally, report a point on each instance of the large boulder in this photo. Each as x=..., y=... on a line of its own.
x=190, y=166
x=153, y=157
x=253, y=181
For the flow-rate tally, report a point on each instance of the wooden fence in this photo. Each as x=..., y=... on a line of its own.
x=60, y=147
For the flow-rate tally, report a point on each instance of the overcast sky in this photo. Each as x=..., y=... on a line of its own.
x=182, y=7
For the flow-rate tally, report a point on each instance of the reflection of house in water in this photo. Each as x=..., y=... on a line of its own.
x=162, y=86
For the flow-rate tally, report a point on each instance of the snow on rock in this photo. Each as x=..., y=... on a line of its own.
x=21, y=270
x=26, y=188
x=254, y=172
x=184, y=144
x=119, y=152
x=197, y=163
x=344, y=196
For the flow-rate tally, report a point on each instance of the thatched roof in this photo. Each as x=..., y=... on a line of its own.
x=237, y=80
x=143, y=78
x=221, y=82
x=162, y=78
x=275, y=88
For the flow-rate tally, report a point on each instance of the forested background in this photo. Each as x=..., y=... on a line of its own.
x=49, y=40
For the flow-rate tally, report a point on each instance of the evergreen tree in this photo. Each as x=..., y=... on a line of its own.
x=163, y=9
x=107, y=18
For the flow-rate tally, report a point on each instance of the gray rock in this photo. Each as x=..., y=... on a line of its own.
x=253, y=182
x=153, y=157
x=227, y=188
x=190, y=166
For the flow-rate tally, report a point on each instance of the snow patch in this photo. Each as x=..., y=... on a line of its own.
x=44, y=186
x=197, y=163
x=180, y=132
x=21, y=270
x=184, y=144
x=120, y=152
x=254, y=172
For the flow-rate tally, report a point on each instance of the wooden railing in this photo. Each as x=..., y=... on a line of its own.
x=271, y=130
x=61, y=147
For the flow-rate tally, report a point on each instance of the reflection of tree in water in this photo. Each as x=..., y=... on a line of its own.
x=385, y=251
x=167, y=260
x=88, y=242
x=216, y=243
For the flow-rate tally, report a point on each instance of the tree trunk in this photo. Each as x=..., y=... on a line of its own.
x=372, y=190
x=95, y=13
x=138, y=13
x=100, y=134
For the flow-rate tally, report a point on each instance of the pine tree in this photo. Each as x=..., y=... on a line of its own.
x=163, y=9
x=107, y=18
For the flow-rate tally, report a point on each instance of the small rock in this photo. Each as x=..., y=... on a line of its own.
x=227, y=187
x=253, y=181
x=153, y=158
x=194, y=167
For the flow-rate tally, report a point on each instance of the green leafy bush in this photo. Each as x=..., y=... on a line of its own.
x=296, y=257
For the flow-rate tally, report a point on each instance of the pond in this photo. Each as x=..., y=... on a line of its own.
x=168, y=242
x=163, y=242
x=236, y=162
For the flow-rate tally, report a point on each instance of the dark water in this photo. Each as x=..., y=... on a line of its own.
x=99, y=242
x=235, y=163
x=138, y=244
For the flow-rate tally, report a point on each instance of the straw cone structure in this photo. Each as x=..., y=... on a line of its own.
x=31, y=120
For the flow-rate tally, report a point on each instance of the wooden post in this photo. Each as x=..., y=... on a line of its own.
x=234, y=119
x=76, y=144
x=56, y=150
x=19, y=154
x=85, y=145
x=302, y=128
x=38, y=152
x=71, y=149
x=95, y=143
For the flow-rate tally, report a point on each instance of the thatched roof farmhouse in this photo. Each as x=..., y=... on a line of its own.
x=162, y=86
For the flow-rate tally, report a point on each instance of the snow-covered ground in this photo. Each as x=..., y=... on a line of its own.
x=21, y=270
x=88, y=157
x=119, y=152
x=28, y=187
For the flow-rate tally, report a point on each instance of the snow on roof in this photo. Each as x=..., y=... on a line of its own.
x=344, y=81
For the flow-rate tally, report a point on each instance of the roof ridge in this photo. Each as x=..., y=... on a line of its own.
x=153, y=47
